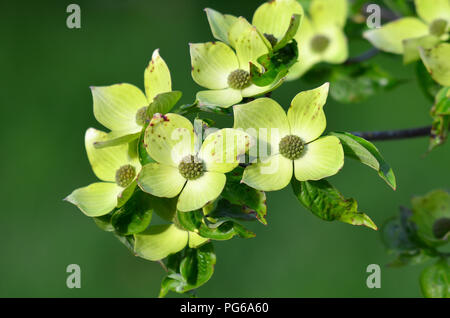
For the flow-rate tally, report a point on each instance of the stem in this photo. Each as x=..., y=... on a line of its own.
x=163, y=266
x=394, y=134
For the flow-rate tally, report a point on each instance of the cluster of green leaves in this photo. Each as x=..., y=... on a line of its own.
x=418, y=235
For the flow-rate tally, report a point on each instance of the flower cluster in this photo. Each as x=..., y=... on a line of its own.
x=419, y=37
x=170, y=186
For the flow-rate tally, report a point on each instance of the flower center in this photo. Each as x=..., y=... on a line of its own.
x=239, y=79
x=271, y=38
x=320, y=43
x=438, y=27
x=141, y=116
x=125, y=175
x=291, y=147
x=191, y=167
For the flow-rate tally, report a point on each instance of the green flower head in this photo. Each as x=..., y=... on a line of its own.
x=320, y=38
x=226, y=73
x=406, y=35
x=159, y=241
x=195, y=173
x=112, y=165
x=293, y=140
x=122, y=107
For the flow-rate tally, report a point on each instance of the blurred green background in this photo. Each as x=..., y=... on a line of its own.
x=46, y=106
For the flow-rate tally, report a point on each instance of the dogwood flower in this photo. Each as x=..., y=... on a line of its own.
x=294, y=141
x=437, y=62
x=227, y=73
x=320, y=38
x=112, y=165
x=183, y=167
x=406, y=35
x=271, y=20
x=122, y=108
x=159, y=241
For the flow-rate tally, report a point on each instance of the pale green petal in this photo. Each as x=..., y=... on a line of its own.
x=161, y=180
x=115, y=138
x=272, y=174
x=273, y=17
x=157, y=78
x=96, y=199
x=329, y=12
x=433, y=10
x=221, y=150
x=105, y=161
x=337, y=50
x=220, y=97
x=197, y=193
x=220, y=24
x=411, y=47
x=320, y=159
x=265, y=120
x=249, y=47
x=437, y=62
x=390, y=37
x=238, y=28
x=306, y=56
x=169, y=138
x=159, y=241
x=196, y=240
x=306, y=116
x=212, y=62
x=115, y=106
x=254, y=90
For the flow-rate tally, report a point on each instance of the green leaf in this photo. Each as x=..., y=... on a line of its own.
x=413, y=257
x=276, y=65
x=365, y=152
x=325, y=202
x=165, y=208
x=167, y=285
x=135, y=216
x=104, y=222
x=428, y=86
x=144, y=156
x=441, y=118
x=126, y=194
x=357, y=82
x=429, y=214
x=190, y=221
x=163, y=103
x=189, y=270
x=252, y=201
x=220, y=228
x=294, y=24
x=435, y=280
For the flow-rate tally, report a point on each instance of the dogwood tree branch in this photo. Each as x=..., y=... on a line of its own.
x=395, y=134
x=363, y=57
